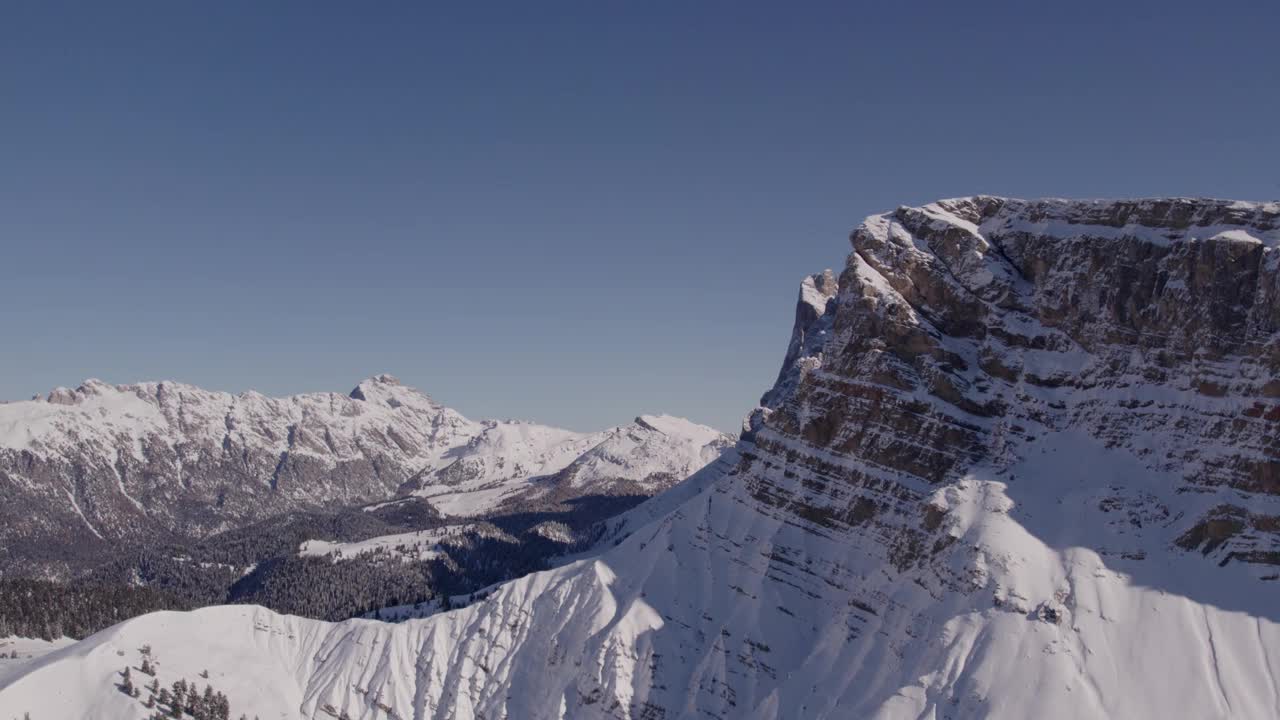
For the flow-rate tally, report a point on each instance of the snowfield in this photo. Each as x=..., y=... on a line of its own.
x=419, y=545
x=17, y=652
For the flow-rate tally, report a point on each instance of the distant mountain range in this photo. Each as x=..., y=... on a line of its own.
x=86, y=470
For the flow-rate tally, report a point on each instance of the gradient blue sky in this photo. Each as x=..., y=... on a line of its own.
x=566, y=211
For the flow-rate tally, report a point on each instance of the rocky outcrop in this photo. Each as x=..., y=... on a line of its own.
x=804, y=352
x=970, y=329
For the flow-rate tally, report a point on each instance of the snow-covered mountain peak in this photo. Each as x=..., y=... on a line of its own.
x=817, y=289
x=386, y=390
x=123, y=461
x=678, y=426
x=94, y=412
x=552, y=465
x=1025, y=462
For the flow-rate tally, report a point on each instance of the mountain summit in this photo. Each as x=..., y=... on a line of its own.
x=1023, y=460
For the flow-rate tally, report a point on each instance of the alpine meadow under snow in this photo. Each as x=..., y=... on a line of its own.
x=1022, y=461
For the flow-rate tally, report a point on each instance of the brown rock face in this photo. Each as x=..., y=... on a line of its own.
x=967, y=330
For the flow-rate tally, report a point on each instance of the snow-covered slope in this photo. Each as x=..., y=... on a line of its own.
x=103, y=464
x=1030, y=472
x=417, y=545
x=17, y=652
x=519, y=462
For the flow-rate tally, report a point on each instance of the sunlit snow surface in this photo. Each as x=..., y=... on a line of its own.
x=419, y=545
x=17, y=652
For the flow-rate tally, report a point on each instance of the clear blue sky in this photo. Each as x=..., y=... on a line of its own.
x=567, y=211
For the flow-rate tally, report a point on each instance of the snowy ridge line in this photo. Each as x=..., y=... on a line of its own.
x=1176, y=218
x=154, y=459
x=100, y=413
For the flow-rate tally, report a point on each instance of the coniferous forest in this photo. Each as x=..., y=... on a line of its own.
x=261, y=565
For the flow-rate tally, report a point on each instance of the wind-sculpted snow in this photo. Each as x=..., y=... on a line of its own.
x=1029, y=473
x=100, y=465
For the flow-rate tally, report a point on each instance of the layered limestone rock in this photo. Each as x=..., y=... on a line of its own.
x=967, y=329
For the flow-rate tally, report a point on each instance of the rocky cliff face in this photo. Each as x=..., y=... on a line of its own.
x=808, y=336
x=85, y=469
x=970, y=330
x=1029, y=470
